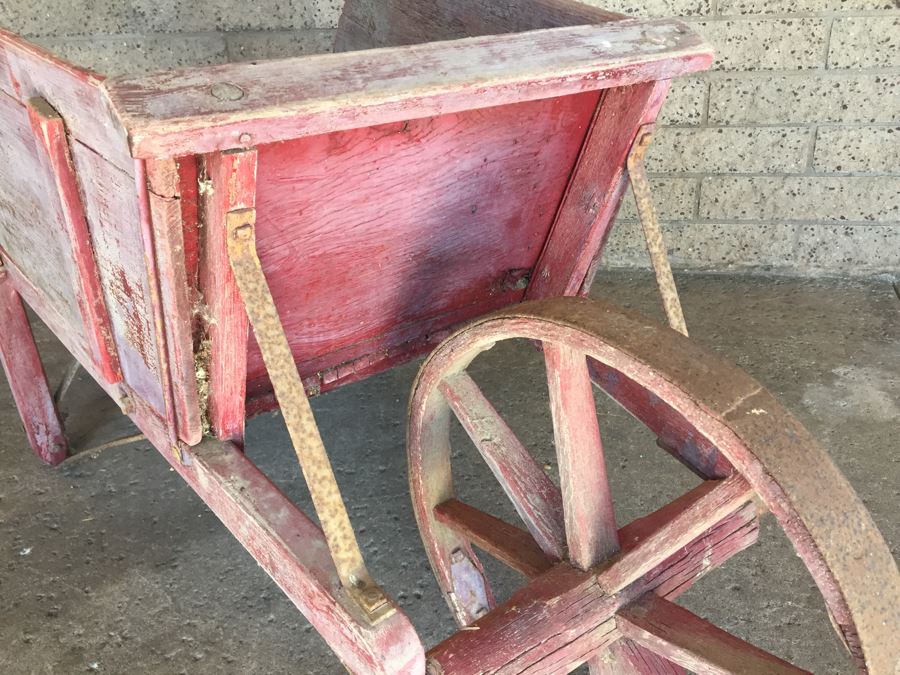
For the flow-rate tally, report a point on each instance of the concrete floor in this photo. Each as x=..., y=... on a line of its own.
x=111, y=564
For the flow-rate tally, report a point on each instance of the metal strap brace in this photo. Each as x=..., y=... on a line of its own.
x=298, y=417
x=652, y=231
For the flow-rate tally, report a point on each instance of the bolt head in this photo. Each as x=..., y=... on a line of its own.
x=225, y=91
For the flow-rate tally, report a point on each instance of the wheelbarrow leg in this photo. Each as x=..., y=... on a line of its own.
x=26, y=377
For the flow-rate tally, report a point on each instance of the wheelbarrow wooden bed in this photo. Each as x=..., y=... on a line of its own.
x=445, y=181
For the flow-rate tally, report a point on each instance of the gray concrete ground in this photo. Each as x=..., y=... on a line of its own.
x=111, y=564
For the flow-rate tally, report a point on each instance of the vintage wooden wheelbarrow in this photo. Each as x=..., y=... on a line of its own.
x=360, y=207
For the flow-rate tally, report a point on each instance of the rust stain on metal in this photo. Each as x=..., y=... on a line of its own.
x=643, y=198
x=299, y=418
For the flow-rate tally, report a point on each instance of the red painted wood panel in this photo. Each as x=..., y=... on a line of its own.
x=365, y=233
x=33, y=231
x=111, y=205
x=229, y=181
x=74, y=92
x=32, y=224
x=165, y=203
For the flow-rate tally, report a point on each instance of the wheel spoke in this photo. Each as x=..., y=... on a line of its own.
x=510, y=545
x=587, y=503
x=652, y=539
x=535, y=497
x=674, y=433
x=626, y=657
x=676, y=634
x=590, y=518
x=561, y=618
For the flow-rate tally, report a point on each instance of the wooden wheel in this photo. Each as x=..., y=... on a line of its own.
x=602, y=594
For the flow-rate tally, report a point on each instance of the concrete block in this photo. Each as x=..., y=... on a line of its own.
x=727, y=7
x=766, y=44
x=820, y=198
x=865, y=42
x=708, y=246
x=858, y=149
x=674, y=199
x=729, y=150
x=655, y=7
x=227, y=15
x=803, y=99
x=250, y=46
x=90, y=17
x=849, y=249
x=132, y=56
x=685, y=103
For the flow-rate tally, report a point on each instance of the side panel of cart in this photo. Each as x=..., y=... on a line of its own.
x=71, y=232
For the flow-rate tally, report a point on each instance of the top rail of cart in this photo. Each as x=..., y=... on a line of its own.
x=425, y=174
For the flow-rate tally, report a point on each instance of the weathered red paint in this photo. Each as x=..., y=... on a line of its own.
x=25, y=374
x=228, y=184
x=50, y=133
x=774, y=460
x=398, y=193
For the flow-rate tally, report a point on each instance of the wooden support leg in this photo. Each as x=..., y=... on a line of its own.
x=294, y=552
x=26, y=377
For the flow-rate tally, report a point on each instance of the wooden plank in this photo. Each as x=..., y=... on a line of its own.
x=25, y=374
x=366, y=24
x=535, y=497
x=595, y=191
x=455, y=243
x=164, y=183
x=111, y=206
x=238, y=105
x=189, y=196
x=75, y=93
x=292, y=550
x=33, y=232
x=50, y=133
x=589, y=515
x=157, y=315
x=674, y=526
x=674, y=433
x=229, y=184
x=683, y=637
x=549, y=625
x=510, y=545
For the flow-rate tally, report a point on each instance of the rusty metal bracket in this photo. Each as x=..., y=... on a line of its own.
x=298, y=416
x=652, y=230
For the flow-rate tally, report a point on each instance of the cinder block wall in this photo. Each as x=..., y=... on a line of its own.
x=785, y=158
